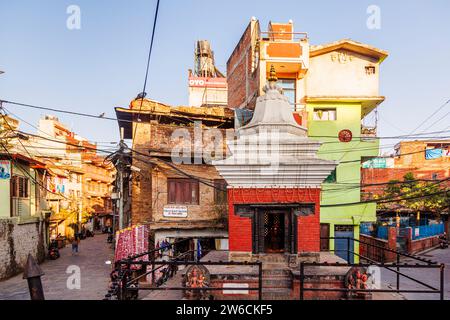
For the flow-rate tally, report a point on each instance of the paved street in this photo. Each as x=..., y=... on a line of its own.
x=94, y=252
x=428, y=276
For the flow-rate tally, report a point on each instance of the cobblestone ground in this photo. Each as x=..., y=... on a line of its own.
x=94, y=252
x=428, y=276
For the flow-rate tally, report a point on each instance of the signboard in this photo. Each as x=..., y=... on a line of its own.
x=175, y=211
x=5, y=169
x=416, y=232
x=203, y=82
x=230, y=287
x=376, y=163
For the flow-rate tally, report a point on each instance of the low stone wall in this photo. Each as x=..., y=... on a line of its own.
x=423, y=244
x=322, y=282
x=375, y=253
x=17, y=240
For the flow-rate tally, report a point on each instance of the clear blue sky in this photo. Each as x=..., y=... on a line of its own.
x=102, y=66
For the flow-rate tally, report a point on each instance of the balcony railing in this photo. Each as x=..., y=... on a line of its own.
x=278, y=35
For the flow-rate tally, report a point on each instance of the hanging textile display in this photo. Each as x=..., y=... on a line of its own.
x=130, y=242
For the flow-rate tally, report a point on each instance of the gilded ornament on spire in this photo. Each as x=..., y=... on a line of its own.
x=272, y=74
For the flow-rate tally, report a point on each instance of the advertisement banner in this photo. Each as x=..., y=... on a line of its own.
x=5, y=169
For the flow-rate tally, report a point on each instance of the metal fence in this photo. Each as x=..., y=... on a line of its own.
x=427, y=231
x=125, y=281
x=397, y=267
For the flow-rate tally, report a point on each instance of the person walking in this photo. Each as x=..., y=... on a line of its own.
x=75, y=243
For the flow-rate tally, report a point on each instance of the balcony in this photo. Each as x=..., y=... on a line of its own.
x=288, y=52
x=368, y=133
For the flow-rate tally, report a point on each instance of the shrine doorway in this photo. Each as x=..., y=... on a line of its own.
x=274, y=232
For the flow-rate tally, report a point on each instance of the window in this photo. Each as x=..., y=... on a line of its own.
x=321, y=114
x=220, y=197
x=19, y=186
x=370, y=70
x=332, y=177
x=182, y=191
x=288, y=86
x=434, y=176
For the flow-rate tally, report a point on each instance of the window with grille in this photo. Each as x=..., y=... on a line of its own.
x=19, y=186
x=220, y=191
x=182, y=191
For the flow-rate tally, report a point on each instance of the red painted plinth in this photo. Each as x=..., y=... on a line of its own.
x=240, y=228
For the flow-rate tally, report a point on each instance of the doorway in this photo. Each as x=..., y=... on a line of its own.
x=343, y=242
x=274, y=232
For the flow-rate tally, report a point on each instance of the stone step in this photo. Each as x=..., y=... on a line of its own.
x=276, y=273
x=277, y=294
x=273, y=258
x=277, y=283
x=274, y=265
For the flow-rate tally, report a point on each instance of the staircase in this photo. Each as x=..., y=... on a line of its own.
x=277, y=277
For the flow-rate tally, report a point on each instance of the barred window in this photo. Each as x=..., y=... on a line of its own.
x=19, y=186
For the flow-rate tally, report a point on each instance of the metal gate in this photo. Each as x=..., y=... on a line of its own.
x=342, y=247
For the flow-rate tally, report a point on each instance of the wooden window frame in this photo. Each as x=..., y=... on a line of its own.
x=20, y=187
x=184, y=192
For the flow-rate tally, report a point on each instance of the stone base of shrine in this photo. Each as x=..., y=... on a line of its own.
x=280, y=281
x=293, y=260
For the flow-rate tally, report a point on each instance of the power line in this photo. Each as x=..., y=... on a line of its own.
x=392, y=199
x=39, y=130
x=411, y=136
x=155, y=18
x=438, y=120
x=29, y=175
x=435, y=112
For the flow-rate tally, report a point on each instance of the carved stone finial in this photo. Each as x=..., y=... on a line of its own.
x=272, y=75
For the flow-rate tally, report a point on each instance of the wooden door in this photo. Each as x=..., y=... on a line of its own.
x=324, y=233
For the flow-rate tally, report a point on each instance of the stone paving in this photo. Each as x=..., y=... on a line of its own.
x=429, y=276
x=94, y=274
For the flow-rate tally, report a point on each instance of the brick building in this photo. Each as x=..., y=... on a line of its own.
x=177, y=197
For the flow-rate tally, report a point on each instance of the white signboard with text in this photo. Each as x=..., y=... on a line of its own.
x=228, y=288
x=175, y=211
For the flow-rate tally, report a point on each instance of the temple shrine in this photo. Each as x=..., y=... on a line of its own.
x=274, y=182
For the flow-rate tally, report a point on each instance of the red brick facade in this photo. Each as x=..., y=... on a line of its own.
x=242, y=73
x=240, y=228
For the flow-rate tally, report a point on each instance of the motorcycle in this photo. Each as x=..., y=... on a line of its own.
x=443, y=242
x=89, y=233
x=53, y=251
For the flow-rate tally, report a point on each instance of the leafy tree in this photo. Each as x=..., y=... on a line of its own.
x=416, y=195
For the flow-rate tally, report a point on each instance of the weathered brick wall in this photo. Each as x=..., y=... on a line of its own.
x=423, y=244
x=149, y=188
x=203, y=213
x=243, y=82
x=16, y=242
x=367, y=249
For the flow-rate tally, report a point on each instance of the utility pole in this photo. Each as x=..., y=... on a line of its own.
x=121, y=167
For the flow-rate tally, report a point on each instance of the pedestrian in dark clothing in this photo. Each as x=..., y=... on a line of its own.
x=75, y=243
